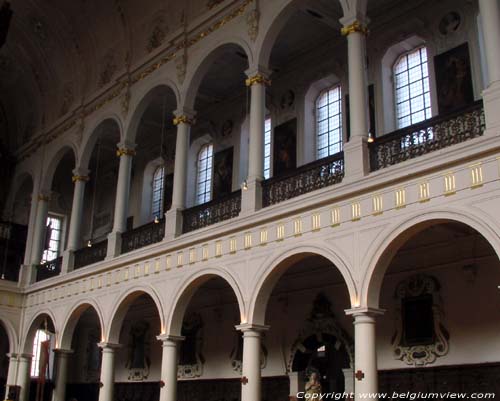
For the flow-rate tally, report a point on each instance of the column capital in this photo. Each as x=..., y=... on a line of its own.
x=125, y=149
x=257, y=77
x=166, y=338
x=354, y=26
x=25, y=356
x=252, y=328
x=109, y=346
x=44, y=196
x=80, y=174
x=12, y=355
x=367, y=312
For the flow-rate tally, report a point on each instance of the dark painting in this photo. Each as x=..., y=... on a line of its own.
x=418, y=320
x=285, y=147
x=453, y=79
x=371, y=113
x=223, y=173
x=168, y=190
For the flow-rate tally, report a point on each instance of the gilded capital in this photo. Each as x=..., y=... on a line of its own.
x=257, y=80
x=125, y=152
x=356, y=26
x=76, y=178
x=183, y=119
x=43, y=197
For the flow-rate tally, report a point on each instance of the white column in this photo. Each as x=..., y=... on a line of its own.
x=61, y=362
x=40, y=228
x=168, y=389
x=365, y=352
x=490, y=18
x=11, y=373
x=107, y=371
x=23, y=376
x=80, y=178
x=125, y=152
x=252, y=194
x=251, y=371
x=31, y=229
x=173, y=218
x=356, y=156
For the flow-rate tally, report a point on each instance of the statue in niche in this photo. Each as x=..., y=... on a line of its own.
x=191, y=360
x=93, y=353
x=138, y=361
x=313, y=387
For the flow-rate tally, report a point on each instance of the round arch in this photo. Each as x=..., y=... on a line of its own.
x=73, y=318
x=277, y=266
x=122, y=306
x=206, y=59
x=187, y=289
x=276, y=24
x=54, y=160
x=380, y=254
x=34, y=324
x=11, y=334
x=144, y=99
x=93, y=135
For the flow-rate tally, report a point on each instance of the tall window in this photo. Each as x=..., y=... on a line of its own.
x=40, y=337
x=267, y=148
x=52, y=238
x=411, y=83
x=329, y=122
x=204, y=179
x=157, y=198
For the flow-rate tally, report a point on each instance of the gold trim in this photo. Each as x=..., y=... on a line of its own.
x=45, y=198
x=356, y=26
x=183, y=120
x=257, y=80
x=76, y=178
x=125, y=152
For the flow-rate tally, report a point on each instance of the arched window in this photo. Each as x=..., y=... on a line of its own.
x=52, y=244
x=267, y=148
x=411, y=85
x=157, y=194
x=39, y=350
x=204, y=178
x=329, y=122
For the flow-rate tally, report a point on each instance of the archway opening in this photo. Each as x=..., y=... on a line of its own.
x=100, y=192
x=219, y=99
x=14, y=232
x=440, y=291
x=138, y=359
x=152, y=182
x=310, y=340
x=84, y=365
x=210, y=356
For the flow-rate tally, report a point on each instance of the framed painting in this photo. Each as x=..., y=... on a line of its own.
x=285, y=147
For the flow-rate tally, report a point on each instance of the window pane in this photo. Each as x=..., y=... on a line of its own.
x=411, y=88
x=204, y=177
x=329, y=122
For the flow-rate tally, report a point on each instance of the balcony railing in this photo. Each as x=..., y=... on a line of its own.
x=318, y=174
x=211, y=212
x=89, y=255
x=142, y=236
x=425, y=137
x=48, y=269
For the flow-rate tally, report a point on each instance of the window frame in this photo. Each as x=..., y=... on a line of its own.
x=46, y=253
x=154, y=190
x=207, y=194
x=268, y=145
x=330, y=132
x=37, y=343
x=427, y=109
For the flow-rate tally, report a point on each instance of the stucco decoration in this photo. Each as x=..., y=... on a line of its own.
x=321, y=321
x=158, y=34
x=109, y=68
x=253, y=17
x=139, y=349
x=191, y=359
x=414, y=345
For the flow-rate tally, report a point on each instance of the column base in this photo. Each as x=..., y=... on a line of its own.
x=251, y=198
x=356, y=159
x=114, y=245
x=68, y=261
x=173, y=224
x=491, y=102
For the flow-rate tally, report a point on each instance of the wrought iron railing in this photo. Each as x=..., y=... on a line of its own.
x=89, y=255
x=48, y=269
x=318, y=174
x=142, y=236
x=211, y=212
x=425, y=137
